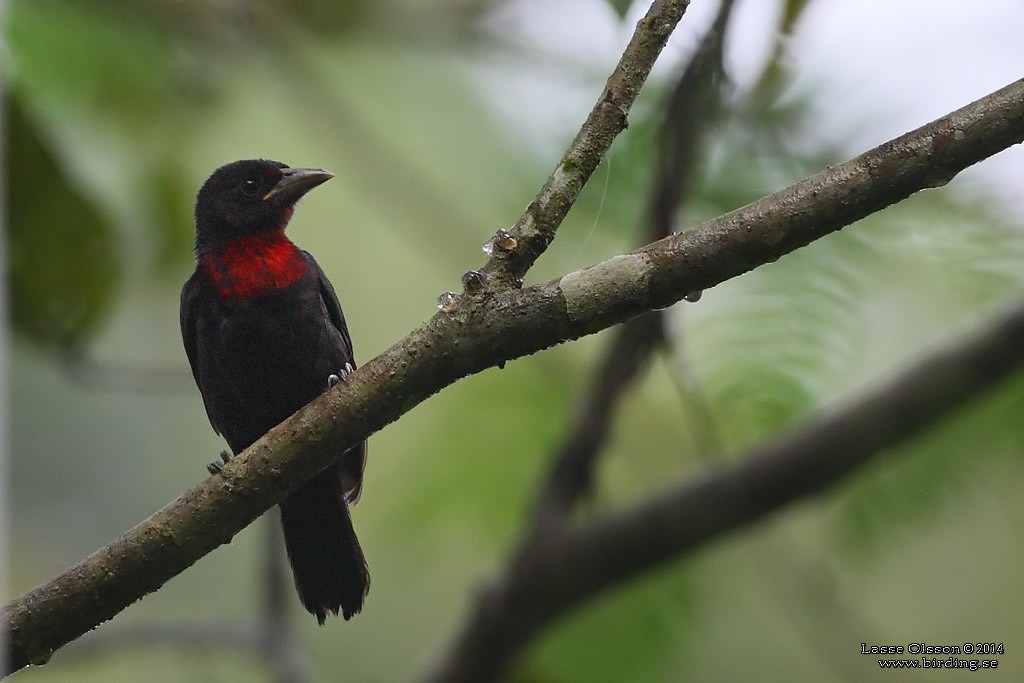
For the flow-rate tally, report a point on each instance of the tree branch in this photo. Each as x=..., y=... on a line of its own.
x=536, y=227
x=691, y=110
x=567, y=566
x=269, y=637
x=481, y=333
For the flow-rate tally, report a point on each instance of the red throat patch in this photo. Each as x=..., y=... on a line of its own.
x=255, y=265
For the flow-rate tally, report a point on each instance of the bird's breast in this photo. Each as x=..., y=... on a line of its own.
x=255, y=265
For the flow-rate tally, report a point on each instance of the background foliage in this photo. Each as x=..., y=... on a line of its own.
x=439, y=120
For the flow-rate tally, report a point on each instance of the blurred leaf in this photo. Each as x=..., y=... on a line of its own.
x=63, y=261
x=792, y=10
x=508, y=439
x=621, y=7
x=325, y=17
x=786, y=340
x=775, y=342
x=173, y=195
x=775, y=75
x=88, y=60
x=780, y=341
x=632, y=634
x=953, y=250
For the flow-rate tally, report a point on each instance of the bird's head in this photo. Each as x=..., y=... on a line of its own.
x=250, y=197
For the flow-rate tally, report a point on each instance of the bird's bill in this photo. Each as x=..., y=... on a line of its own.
x=298, y=181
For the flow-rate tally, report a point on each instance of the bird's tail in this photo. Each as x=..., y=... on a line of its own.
x=327, y=562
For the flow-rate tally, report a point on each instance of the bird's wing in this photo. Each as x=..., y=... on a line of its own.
x=351, y=466
x=189, y=325
x=332, y=305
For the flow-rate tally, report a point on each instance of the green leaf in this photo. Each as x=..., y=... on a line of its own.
x=63, y=260
x=632, y=634
x=81, y=62
x=173, y=194
x=791, y=12
x=620, y=7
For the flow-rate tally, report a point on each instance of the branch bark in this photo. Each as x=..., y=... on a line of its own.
x=565, y=567
x=269, y=637
x=485, y=331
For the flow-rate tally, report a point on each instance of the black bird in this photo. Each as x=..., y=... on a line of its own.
x=265, y=335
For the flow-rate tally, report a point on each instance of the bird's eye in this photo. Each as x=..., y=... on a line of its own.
x=250, y=186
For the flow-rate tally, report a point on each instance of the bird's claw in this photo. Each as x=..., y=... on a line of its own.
x=334, y=380
x=218, y=467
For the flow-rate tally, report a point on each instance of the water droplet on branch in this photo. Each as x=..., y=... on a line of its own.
x=473, y=282
x=448, y=302
x=502, y=240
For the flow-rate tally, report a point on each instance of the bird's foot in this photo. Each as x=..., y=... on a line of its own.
x=218, y=467
x=333, y=380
